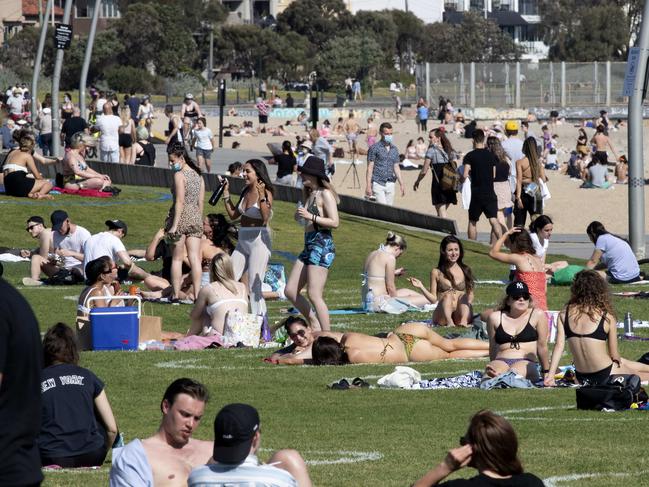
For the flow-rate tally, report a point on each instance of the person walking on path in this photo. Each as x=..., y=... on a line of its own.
x=383, y=168
x=481, y=164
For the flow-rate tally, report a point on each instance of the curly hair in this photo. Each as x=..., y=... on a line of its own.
x=591, y=295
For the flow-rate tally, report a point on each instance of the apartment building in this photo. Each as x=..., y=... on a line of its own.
x=519, y=18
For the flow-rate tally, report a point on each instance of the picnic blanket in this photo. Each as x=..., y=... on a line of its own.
x=410, y=379
x=88, y=193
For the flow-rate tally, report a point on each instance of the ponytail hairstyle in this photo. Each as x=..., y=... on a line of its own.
x=445, y=266
x=394, y=240
x=539, y=222
x=178, y=149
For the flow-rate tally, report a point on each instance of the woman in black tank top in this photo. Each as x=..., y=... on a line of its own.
x=589, y=326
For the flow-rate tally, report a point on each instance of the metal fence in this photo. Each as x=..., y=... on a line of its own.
x=523, y=85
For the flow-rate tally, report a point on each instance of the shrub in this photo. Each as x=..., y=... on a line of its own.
x=123, y=79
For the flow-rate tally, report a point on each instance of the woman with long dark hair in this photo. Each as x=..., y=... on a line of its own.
x=77, y=423
x=184, y=224
x=254, y=245
x=613, y=257
x=451, y=285
x=409, y=342
x=320, y=214
x=490, y=446
x=502, y=188
x=440, y=151
x=589, y=326
x=217, y=239
x=528, y=193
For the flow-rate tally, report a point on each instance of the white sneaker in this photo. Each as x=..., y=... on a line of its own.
x=28, y=281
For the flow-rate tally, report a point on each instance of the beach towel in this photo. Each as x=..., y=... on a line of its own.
x=402, y=378
x=12, y=258
x=470, y=380
x=195, y=342
x=88, y=193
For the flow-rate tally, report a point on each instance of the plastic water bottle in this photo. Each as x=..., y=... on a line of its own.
x=298, y=218
x=628, y=324
x=368, y=303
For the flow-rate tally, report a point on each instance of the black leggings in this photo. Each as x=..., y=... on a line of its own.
x=424, y=124
x=91, y=459
x=530, y=205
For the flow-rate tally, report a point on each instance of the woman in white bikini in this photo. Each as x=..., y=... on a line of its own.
x=451, y=285
x=216, y=299
x=101, y=276
x=380, y=270
x=254, y=245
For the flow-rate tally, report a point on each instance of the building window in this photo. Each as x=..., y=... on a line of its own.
x=528, y=7
x=109, y=9
x=450, y=6
x=83, y=9
x=501, y=5
x=530, y=33
x=477, y=5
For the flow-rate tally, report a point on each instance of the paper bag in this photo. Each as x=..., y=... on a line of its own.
x=150, y=328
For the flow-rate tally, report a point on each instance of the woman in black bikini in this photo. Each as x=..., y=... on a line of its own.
x=589, y=326
x=518, y=336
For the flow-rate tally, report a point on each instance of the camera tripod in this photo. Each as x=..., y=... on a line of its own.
x=356, y=180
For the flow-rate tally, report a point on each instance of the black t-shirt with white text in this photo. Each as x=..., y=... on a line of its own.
x=21, y=359
x=69, y=426
x=482, y=162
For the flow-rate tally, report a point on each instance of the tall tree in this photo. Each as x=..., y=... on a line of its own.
x=346, y=56
x=587, y=30
x=410, y=30
x=317, y=20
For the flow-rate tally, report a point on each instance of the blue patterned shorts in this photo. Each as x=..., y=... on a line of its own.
x=319, y=249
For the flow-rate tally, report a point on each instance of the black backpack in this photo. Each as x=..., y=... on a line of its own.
x=617, y=393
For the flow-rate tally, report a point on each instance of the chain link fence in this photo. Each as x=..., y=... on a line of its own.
x=523, y=85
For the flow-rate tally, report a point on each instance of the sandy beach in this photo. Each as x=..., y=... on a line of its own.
x=571, y=208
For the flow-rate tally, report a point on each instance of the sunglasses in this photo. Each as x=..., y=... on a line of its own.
x=29, y=228
x=110, y=270
x=526, y=297
x=300, y=333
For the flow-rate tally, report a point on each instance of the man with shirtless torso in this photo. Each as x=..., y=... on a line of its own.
x=352, y=129
x=166, y=458
x=601, y=142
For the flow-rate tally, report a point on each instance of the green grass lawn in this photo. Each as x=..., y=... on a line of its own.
x=351, y=438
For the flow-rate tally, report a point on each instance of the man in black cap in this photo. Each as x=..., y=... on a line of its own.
x=110, y=244
x=237, y=437
x=68, y=240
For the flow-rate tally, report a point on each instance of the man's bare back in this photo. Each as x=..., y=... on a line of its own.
x=601, y=142
x=351, y=127
x=171, y=466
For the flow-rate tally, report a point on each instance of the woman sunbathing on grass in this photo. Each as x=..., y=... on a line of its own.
x=411, y=342
x=380, y=270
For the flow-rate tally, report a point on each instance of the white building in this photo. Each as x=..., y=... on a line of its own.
x=430, y=11
x=519, y=18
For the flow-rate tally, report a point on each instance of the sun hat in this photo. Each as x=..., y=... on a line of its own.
x=314, y=166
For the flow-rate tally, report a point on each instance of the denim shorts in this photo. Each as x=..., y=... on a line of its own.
x=207, y=154
x=319, y=249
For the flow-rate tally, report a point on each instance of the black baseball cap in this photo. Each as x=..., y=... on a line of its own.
x=516, y=289
x=234, y=429
x=57, y=218
x=117, y=224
